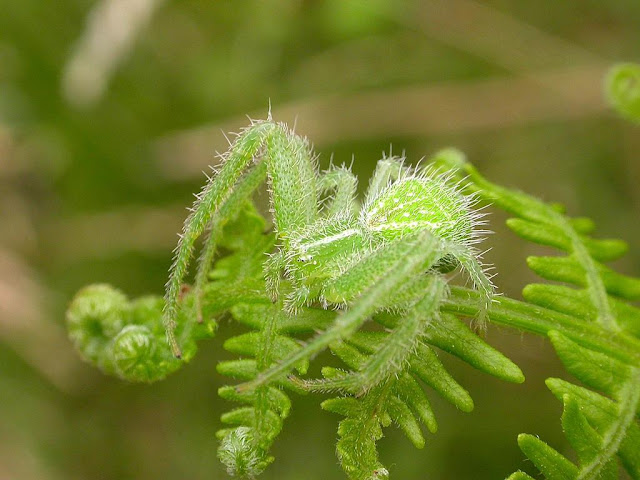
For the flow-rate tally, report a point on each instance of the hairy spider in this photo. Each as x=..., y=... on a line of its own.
x=387, y=254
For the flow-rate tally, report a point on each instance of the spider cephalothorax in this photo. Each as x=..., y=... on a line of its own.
x=414, y=201
x=386, y=255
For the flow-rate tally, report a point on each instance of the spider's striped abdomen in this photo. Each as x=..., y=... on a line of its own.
x=419, y=203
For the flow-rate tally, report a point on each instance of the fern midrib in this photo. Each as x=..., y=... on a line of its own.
x=376, y=399
x=630, y=395
x=263, y=361
x=595, y=285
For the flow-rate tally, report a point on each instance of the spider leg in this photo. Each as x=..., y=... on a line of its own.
x=344, y=184
x=294, y=198
x=228, y=210
x=387, y=170
x=207, y=204
x=376, y=277
x=469, y=262
x=292, y=181
x=272, y=268
x=399, y=345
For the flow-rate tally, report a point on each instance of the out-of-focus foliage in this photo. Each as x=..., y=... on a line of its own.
x=94, y=185
x=623, y=90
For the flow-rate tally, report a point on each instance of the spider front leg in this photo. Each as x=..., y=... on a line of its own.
x=294, y=197
x=272, y=271
x=227, y=211
x=206, y=206
x=389, y=360
x=468, y=259
x=370, y=284
x=344, y=185
x=387, y=170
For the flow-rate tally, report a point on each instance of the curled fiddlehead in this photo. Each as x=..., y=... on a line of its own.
x=126, y=338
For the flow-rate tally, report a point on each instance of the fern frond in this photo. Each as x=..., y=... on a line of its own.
x=258, y=422
x=592, y=304
x=255, y=425
x=401, y=399
x=588, y=318
x=125, y=337
x=237, y=285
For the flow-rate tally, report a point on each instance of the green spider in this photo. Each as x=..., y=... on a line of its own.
x=386, y=255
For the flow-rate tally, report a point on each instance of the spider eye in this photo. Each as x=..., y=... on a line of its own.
x=305, y=258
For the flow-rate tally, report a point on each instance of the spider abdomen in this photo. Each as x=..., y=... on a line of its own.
x=419, y=203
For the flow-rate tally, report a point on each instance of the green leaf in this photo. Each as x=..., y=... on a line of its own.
x=587, y=442
x=278, y=400
x=401, y=414
x=612, y=421
x=553, y=465
x=359, y=432
x=408, y=390
x=583, y=438
x=562, y=299
x=455, y=337
x=556, y=236
x=568, y=269
x=595, y=369
x=578, y=303
x=591, y=328
x=426, y=366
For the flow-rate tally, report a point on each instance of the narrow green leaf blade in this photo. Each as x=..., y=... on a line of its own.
x=603, y=250
x=402, y=415
x=583, y=438
x=455, y=337
x=568, y=269
x=277, y=399
x=540, y=233
x=593, y=368
x=409, y=391
x=552, y=464
x=602, y=413
x=425, y=365
x=561, y=299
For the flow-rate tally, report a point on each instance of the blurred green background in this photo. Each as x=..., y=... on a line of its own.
x=110, y=110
